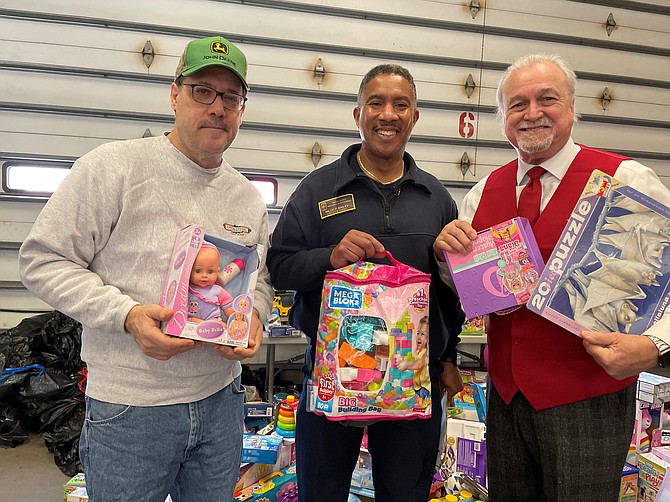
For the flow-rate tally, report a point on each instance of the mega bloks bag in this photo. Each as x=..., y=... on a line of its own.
x=372, y=344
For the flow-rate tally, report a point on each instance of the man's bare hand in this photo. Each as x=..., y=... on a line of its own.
x=621, y=355
x=355, y=246
x=455, y=237
x=143, y=322
x=450, y=381
x=255, y=339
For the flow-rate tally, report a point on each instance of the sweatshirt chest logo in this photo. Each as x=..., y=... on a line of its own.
x=336, y=205
x=236, y=229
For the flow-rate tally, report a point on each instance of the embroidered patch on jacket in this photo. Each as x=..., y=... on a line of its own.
x=236, y=229
x=336, y=205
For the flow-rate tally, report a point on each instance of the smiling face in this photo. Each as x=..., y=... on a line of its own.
x=422, y=335
x=204, y=132
x=538, y=111
x=385, y=117
x=206, y=268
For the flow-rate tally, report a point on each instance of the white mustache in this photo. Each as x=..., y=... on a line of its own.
x=538, y=123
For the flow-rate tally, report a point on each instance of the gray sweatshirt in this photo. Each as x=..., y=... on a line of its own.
x=102, y=244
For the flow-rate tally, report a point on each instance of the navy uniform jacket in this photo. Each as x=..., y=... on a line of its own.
x=405, y=217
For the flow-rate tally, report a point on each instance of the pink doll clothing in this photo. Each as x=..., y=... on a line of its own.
x=210, y=301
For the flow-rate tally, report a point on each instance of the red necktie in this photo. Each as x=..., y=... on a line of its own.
x=531, y=195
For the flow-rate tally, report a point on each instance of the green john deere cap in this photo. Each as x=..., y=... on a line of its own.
x=212, y=51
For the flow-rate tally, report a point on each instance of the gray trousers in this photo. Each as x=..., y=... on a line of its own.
x=570, y=452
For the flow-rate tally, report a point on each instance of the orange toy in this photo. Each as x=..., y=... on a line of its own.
x=356, y=358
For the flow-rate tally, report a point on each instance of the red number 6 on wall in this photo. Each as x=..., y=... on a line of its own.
x=466, y=126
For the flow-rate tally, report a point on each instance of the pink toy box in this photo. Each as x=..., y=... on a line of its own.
x=500, y=272
x=238, y=272
x=372, y=344
x=610, y=270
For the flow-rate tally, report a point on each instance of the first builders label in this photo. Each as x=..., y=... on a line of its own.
x=344, y=298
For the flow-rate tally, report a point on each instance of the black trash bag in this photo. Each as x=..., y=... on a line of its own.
x=62, y=438
x=51, y=339
x=12, y=380
x=48, y=400
x=12, y=432
x=41, y=401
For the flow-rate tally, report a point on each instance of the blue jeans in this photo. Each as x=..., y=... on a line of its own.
x=191, y=451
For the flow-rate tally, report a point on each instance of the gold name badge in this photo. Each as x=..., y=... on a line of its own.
x=336, y=205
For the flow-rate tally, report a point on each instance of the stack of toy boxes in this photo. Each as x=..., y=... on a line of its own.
x=648, y=449
x=75, y=490
x=276, y=486
x=652, y=392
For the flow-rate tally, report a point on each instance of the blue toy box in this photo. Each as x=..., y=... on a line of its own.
x=610, y=270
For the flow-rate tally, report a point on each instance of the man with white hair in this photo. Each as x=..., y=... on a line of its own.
x=561, y=408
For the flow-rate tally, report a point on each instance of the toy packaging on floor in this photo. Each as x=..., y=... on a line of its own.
x=372, y=344
x=500, y=272
x=75, y=490
x=280, y=486
x=217, y=308
x=654, y=389
x=651, y=478
x=628, y=487
x=609, y=270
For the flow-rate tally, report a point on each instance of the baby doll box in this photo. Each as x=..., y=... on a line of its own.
x=501, y=271
x=239, y=270
x=372, y=344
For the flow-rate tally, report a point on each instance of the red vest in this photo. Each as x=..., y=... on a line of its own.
x=548, y=364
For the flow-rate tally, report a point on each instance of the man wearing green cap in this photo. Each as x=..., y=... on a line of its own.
x=163, y=414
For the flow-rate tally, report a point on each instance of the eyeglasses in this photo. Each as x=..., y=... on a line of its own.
x=206, y=96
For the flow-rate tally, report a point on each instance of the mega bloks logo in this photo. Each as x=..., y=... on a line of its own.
x=345, y=298
x=419, y=300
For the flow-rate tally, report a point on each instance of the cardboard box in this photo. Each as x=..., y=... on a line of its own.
x=654, y=389
x=471, y=459
x=628, y=490
x=260, y=449
x=77, y=495
x=609, y=270
x=239, y=270
x=477, y=326
x=284, y=331
x=77, y=481
x=276, y=486
x=651, y=475
x=648, y=417
x=457, y=428
x=500, y=272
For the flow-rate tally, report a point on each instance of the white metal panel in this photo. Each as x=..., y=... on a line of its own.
x=443, y=10
x=256, y=21
x=584, y=58
x=579, y=19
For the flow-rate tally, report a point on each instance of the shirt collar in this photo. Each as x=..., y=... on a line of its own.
x=345, y=175
x=557, y=165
